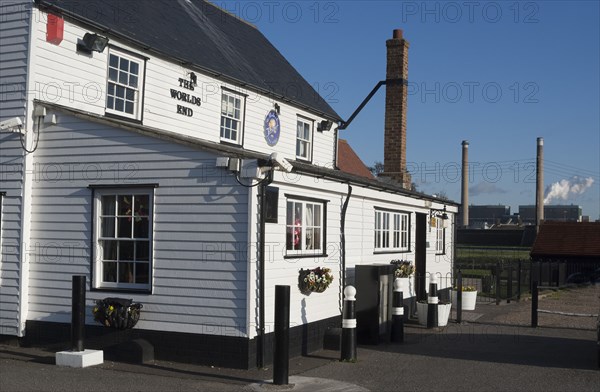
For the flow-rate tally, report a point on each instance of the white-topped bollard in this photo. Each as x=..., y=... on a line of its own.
x=349, y=325
x=398, y=312
x=432, y=303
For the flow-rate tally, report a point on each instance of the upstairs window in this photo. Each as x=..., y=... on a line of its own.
x=231, y=117
x=304, y=139
x=123, y=90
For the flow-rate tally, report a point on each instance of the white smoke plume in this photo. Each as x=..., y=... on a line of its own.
x=565, y=188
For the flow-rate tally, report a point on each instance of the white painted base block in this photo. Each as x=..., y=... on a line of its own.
x=80, y=359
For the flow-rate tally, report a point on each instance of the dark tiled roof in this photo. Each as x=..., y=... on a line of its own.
x=199, y=33
x=580, y=239
x=349, y=162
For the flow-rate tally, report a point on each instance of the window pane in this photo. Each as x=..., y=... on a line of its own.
x=129, y=107
x=109, y=250
x=125, y=207
x=309, y=235
x=124, y=227
x=124, y=65
x=134, y=68
x=108, y=205
x=309, y=215
x=107, y=227
x=112, y=74
x=110, y=102
x=317, y=239
x=125, y=272
x=109, y=272
x=141, y=273
x=142, y=251
x=130, y=94
x=126, y=250
x=133, y=81
x=140, y=227
x=123, y=78
x=317, y=212
x=120, y=105
x=114, y=61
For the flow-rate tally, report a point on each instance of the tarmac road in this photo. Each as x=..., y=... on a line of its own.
x=481, y=355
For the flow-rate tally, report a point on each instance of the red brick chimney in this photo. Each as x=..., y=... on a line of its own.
x=396, y=96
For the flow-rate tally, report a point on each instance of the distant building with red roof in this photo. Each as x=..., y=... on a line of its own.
x=568, y=240
x=349, y=162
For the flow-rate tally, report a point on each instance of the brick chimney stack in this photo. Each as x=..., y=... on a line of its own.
x=396, y=96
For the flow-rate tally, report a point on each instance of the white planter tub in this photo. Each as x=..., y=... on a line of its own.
x=469, y=299
x=443, y=313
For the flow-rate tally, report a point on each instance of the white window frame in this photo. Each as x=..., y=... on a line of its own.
x=99, y=240
x=136, y=88
x=440, y=237
x=226, y=114
x=303, y=140
x=391, y=231
x=302, y=229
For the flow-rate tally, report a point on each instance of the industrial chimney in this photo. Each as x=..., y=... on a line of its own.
x=465, y=184
x=396, y=96
x=539, y=186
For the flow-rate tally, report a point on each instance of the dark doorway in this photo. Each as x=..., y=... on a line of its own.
x=420, y=256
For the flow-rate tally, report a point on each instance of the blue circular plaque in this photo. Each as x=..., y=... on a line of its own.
x=272, y=128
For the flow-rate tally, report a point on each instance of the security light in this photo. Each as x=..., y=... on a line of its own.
x=92, y=43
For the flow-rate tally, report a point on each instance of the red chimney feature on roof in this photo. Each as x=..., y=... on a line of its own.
x=394, y=157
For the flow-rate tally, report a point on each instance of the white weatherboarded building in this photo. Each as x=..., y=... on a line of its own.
x=139, y=165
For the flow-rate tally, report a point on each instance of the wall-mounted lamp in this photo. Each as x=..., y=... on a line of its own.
x=324, y=126
x=92, y=43
x=433, y=214
x=277, y=108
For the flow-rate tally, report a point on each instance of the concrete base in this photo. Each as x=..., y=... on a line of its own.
x=80, y=359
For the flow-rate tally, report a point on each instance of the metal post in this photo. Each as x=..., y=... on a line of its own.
x=432, y=303
x=349, y=325
x=534, y=305
x=459, y=291
x=509, y=284
x=281, y=363
x=77, y=312
x=498, y=281
x=398, y=313
x=519, y=277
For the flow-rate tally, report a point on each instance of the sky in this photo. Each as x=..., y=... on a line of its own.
x=499, y=74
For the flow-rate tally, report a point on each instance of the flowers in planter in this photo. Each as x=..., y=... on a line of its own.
x=404, y=268
x=314, y=280
x=465, y=288
x=117, y=313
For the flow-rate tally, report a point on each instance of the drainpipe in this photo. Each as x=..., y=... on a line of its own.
x=260, y=355
x=343, y=241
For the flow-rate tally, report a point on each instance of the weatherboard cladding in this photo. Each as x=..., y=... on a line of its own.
x=14, y=33
x=198, y=33
x=200, y=226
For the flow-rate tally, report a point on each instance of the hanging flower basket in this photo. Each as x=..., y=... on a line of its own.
x=119, y=313
x=314, y=280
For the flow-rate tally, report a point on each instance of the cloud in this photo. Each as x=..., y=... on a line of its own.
x=485, y=187
x=564, y=189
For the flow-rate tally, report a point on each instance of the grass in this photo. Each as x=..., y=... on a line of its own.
x=479, y=255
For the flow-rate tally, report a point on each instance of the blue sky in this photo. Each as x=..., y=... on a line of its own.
x=496, y=73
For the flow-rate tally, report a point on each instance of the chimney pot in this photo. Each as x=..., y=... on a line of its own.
x=397, y=34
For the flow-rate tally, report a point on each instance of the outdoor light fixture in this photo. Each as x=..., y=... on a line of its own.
x=193, y=79
x=277, y=108
x=324, y=125
x=433, y=213
x=92, y=43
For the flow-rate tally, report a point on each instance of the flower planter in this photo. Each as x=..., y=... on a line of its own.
x=408, y=287
x=314, y=280
x=119, y=313
x=469, y=299
x=443, y=313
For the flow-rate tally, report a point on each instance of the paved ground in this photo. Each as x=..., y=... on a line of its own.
x=496, y=351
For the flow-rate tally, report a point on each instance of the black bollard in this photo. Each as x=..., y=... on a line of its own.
x=534, y=304
x=459, y=291
x=281, y=364
x=349, y=325
x=398, y=313
x=77, y=312
x=432, y=303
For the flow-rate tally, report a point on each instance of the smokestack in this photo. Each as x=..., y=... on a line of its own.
x=539, y=186
x=465, y=184
x=396, y=96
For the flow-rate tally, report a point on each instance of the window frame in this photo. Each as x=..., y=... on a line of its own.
x=304, y=201
x=139, y=90
x=309, y=141
x=97, y=255
x=391, y=231
x=440, y=237
x=240, y=137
